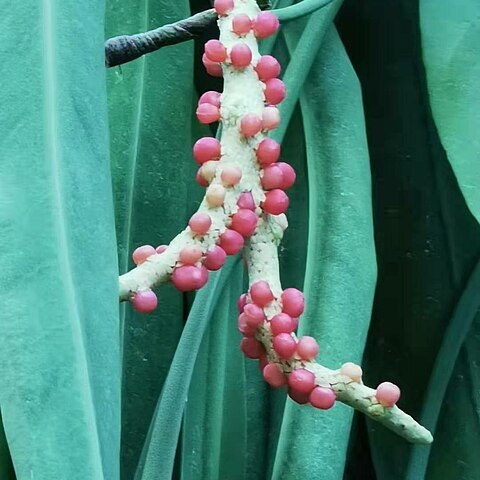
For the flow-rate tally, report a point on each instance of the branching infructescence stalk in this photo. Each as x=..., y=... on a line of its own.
x=246, y=199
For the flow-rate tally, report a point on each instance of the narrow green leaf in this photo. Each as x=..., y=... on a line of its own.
x=59, y=361
x=450, y=39
x=6, y=466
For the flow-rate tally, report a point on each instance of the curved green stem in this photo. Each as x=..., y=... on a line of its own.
x=300, y=9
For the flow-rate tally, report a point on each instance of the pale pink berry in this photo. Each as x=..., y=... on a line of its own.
x=241, y=55
x=241, y=302
x=274, y=376
x=140, y=254
x=274, y=91
x=352, y=370
x=265, y=24
x=200, y=223
x=268, y=151
x=211, y=97
x=261, y=293
x=288, y=175
x=272, y=177
x=189, y=277
x=215, y=195
x=231, y=241
x=250, y=125
x=161, y=248
x=255, y=315
x=307, y=348
x=246, y=201
x=215, y=258
x=243, y=326
x=298, y=397
x=323, y=398
x=244, y=222
x=301, y=380
x=205, y=149
x=262, y=362
x=276, y=202
x=267, y=68
x=223, y=7
x=200, y=179
x=284, y=345
x=293, y=302
x=231, y=176
x=281, y=323
x=215, y=51
x=270, y=118
x=208, y=170
x=241, y=24
x=145, y=301
x=387, y=394
x=190, y=254
x=294, y=323
x=213, y=68
x=251, y=347
x=207, y=113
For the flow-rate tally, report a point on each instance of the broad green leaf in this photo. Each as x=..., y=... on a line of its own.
x=340, y=274
x=59, y=361
x=150, y=108
x=450, y=38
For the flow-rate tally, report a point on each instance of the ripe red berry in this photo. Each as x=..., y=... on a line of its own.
x=261, y=293
x=215, y=51
x=251, y=347
x=267, y=68
x=231, y=241
x=241, y=55
x=323, y=398
x=268, y=151
x=302, y=380
x=307, y=348
x=145, y=301
x=215, y=258
x=276, y=202
x=265, y=24
x=244, y=222
x=284, y=345
x=281, y=323
x=274, y=376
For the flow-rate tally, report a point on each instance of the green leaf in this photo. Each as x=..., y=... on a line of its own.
x=59, y=360
x=6, y=466
x=150, y=110
x=450, y=38
x=340, y=275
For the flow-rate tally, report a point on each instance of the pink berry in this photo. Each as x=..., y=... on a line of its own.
x=262, y=362
x=387, y=394
x=215, y=195
x=276, y=202
x=161, y=248
x=268, y=151
x=301, y=380
x=270, y=118
x=274, y=376
x=246, y=201
x=214, y=69
x=200, y=179
x=267, y=68
x=205, y=149
x=293, y=302
x=215, y=258
x=261, y=293
x=231, y=241
x=231, y=176
x=241, y=55
x=243, y=326
x=215, y=51
x=288, y=175
x=140, y=254
x=207, y=113
x=294, y=323
x=190, y=254
x=223, y=7
x=265, y=24
x=274, y=91
x=189, y=277
x=284, y=345
x=272, y=177
x=244, y=222
x=211, y=97
x=208, y=170
x=200, y=223
x=298, y=397
x=241, y=302
x=250, y=125
x=281, y=323
x=352, y=370
x=251, y=347
x=323, y=398
x=255, y=315
x=241, y=24
x=145, y=301
x=307, y=348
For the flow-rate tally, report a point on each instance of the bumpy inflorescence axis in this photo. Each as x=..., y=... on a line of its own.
x=244, y=204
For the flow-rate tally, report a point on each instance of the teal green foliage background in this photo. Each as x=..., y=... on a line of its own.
x=382, y=133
